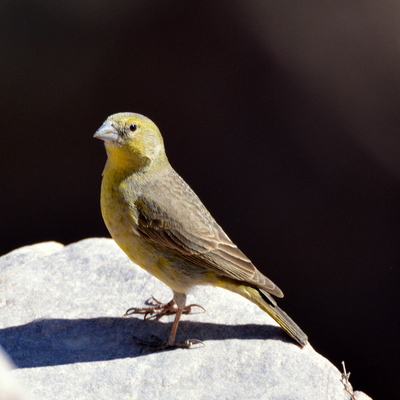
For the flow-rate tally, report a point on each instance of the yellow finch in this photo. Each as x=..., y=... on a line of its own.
x=161, y=224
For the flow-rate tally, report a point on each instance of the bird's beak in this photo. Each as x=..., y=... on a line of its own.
x=107, y=132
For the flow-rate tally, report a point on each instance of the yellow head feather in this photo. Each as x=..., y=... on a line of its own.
x=133, y=142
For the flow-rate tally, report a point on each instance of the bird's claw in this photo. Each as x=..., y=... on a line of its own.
x=157, y=309
x=193, y=342
x=158, y=344
x=188, y=309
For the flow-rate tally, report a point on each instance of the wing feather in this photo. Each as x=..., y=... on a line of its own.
x=189, y=231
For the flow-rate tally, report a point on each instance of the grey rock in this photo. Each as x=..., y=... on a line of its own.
x=10, y=388
x=361, y=396
x=63, y=325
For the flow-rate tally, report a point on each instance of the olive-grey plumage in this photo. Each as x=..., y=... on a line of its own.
x=176, y=218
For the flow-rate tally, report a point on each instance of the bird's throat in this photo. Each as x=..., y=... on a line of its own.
x=124, y=162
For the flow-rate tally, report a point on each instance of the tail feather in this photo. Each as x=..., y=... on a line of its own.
x=272, y=309
x=266, y=302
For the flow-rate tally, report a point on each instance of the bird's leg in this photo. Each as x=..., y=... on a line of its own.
x=157, y=309
x=178, y=303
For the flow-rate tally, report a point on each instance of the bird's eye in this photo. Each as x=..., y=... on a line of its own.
x=132, y=127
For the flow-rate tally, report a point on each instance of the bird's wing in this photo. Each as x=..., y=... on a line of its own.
x=188, y=230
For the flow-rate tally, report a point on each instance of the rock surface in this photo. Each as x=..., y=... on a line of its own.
x=62, y=324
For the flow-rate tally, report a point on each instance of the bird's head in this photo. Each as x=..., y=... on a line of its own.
x=132, y=141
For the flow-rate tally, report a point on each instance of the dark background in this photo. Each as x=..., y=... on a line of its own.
x=283, y=117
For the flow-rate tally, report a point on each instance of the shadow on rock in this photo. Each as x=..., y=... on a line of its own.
x=51, y=342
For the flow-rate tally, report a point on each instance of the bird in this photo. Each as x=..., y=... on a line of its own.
x=162, y=225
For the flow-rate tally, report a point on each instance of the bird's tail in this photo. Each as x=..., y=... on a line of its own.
x=268, y=304
x=265, y=301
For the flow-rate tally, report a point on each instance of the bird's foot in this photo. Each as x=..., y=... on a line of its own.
x=158, y=344
x=156, y=309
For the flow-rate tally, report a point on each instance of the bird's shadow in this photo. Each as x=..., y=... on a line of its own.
x=50, y=342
